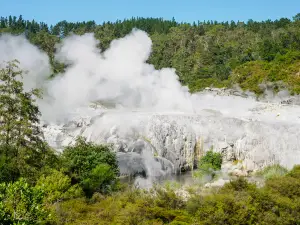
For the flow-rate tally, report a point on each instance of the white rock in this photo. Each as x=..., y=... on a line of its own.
x=217, y=183
x=261, y=140
x=249, y=165
x=185, y=195
x=239, y=173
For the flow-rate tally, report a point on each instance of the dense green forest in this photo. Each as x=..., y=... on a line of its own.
x=208, y=53
x=81, y=185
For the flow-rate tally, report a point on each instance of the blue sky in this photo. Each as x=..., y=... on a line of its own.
x=52, y=11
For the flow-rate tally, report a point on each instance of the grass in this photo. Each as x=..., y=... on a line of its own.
x=272, y=171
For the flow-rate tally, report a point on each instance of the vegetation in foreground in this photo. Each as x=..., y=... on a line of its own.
x=208, y=53
x=80, y=186
x=238, y=202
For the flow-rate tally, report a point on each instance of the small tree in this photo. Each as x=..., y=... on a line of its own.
x=18, y=112
x=213, y=159
x=94, y=167
x=209, y=164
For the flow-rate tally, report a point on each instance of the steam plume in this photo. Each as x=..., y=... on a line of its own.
x=31, y=59
x=120, y=76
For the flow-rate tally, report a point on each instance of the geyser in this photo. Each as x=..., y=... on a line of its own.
x=119, y=76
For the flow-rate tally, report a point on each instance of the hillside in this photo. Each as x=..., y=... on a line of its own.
x=207, y=53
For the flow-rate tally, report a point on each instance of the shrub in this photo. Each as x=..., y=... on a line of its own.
x=93, y=166
x=238, y=202
x=57, y=187
x=21, y=204
x=208, y=164
x=286, y=186
x=240, y=184
x=295, y=172
x=212, y=158
x=272, y=171
x=100, y=180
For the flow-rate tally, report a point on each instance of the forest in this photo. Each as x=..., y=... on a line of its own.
x=81, y=185
x=208, y=53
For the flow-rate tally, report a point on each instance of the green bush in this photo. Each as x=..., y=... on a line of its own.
x=212, y=158
x=21, y=204
x=283, y=72
x=92, y=166
x=209, y=164
x=272, y=171
x=101, y=179
x=285, y=186
x=238, y=202
x=295, y=172
x=238, y=185
x=57, y=187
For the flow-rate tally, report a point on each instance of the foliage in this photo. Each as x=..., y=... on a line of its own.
x=238, y=202
x=209, y=164
x=273, y=171
x=295, y=172
x=21, y=204
x=288, y=186
x=101, y=179
x=18, y=113
x=94, y=167
x=23, y=150
x=57, y=187
x=214, y=159
x=283, y=72
x=238, y=185
x=128, y=207
x=208, y=53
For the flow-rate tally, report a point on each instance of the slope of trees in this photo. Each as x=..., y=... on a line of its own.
x=208, y=53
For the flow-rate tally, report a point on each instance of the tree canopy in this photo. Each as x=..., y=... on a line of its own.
x=94, y=167
x=207, y=53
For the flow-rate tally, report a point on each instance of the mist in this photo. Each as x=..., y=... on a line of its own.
x=32, y=60
x=119, y=76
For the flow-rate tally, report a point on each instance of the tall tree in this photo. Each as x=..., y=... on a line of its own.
x=21, y=141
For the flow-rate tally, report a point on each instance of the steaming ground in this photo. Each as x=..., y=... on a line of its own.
x=155, y=124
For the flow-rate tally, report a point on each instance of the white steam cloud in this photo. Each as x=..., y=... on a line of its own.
x=120, y=76
x=31, y=59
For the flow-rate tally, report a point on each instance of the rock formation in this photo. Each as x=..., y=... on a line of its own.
x=255, y=135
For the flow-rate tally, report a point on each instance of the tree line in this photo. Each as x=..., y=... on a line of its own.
x=207, y=53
